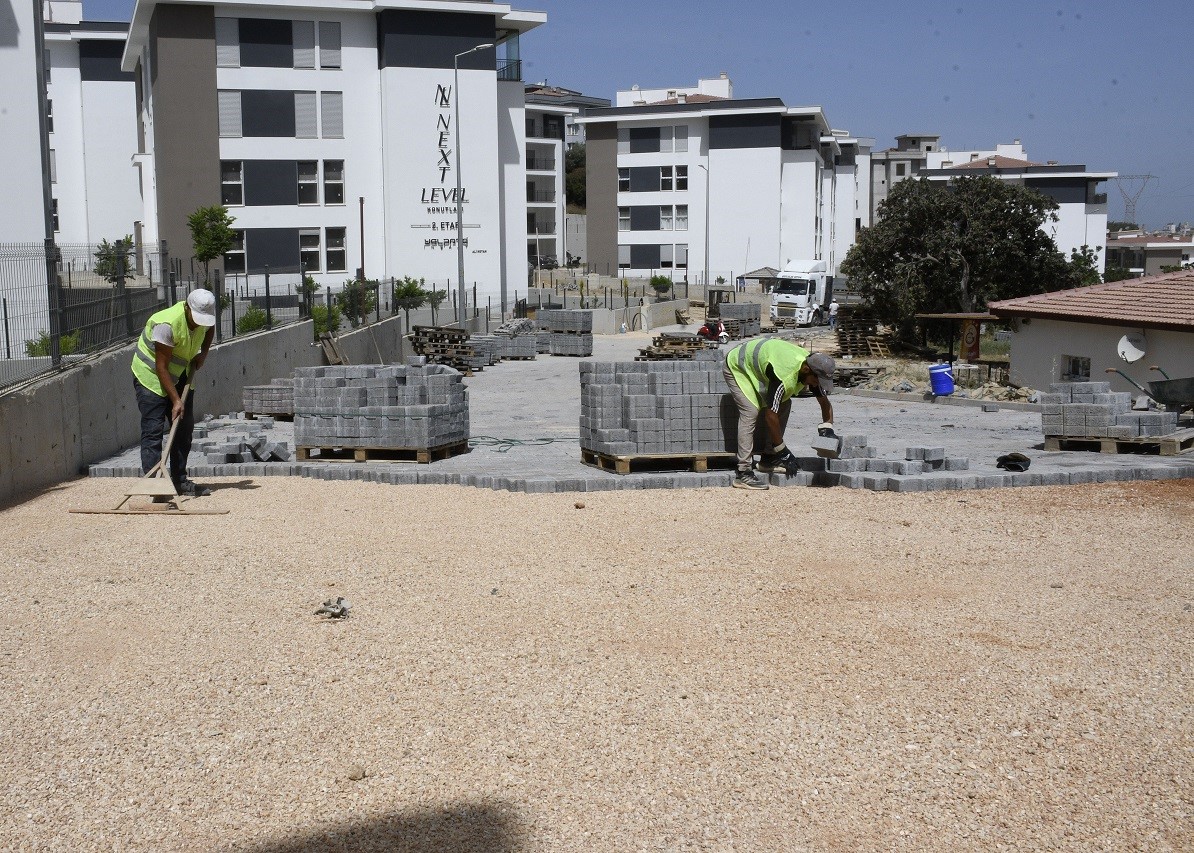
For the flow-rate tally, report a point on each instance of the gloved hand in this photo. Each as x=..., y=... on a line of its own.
x=784, y=459
x=825, y=430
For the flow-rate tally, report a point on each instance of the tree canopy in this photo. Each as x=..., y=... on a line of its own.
x=211, y=234
x=940, y=248
x=574, y=176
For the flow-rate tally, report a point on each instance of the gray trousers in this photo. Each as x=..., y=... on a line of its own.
x=750, y=423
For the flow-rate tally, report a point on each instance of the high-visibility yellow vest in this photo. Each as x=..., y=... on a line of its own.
x=187, y=343
x=748, y=364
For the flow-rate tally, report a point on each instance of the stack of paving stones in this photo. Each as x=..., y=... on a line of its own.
x=488, y=348
x=748, y=314
x=276, y=399
x=395, y=407
x=859, y=468
x=569, y=332
x=228, y=440
x=652, y=407
x=1081, y=410
x=518, y=339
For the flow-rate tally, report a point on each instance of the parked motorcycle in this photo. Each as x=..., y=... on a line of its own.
x=714, y=330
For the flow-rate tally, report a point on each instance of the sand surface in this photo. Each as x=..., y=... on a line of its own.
x=701, y=669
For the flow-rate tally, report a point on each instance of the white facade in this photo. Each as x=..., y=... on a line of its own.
x=777, y=183
x=713, y=87
x=22, y=216
x=375, y=138
x=546, y=202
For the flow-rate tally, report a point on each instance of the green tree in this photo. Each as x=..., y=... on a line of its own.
x=574, y=177
x=113, y=260
x=1117, y=225
x=661, y=283
x=1117, y=274
x=1084, y=266
x=955, y=247
x=357, y=300
x=211, y=235
x=409, y=295
x=253, y=319
x=319, y=319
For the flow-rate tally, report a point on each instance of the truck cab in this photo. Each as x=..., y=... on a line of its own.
x=802, y=292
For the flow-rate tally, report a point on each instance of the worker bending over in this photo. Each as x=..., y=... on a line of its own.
x=169, y=352
x=764, y=375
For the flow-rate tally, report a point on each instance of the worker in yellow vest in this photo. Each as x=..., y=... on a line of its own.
x=169, y=352
x=763, y=376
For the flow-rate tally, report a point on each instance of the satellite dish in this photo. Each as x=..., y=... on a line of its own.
x=1131, y=348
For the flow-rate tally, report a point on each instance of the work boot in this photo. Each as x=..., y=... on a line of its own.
x=190, y=489
x=769, y=463
x=749, y=480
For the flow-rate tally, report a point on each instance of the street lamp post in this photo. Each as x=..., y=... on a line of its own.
x=705, y=169
x=459, y=185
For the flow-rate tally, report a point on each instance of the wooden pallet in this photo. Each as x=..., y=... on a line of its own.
x=1164, y=445
x=878, y=347
x=421, y=455
x=698, y=462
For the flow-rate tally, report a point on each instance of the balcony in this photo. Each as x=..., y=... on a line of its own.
x=541, y=196
x=510, y=71
x=541, y=164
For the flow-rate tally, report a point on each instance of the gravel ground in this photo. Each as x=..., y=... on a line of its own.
x=1006, y=670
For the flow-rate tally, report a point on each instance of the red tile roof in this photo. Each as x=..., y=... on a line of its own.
x=1000, y=163
x=1157, y=302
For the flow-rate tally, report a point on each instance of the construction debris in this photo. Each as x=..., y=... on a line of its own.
x=335, y=608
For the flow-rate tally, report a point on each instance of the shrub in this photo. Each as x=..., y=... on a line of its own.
x=252, y=320
x=357, y=300
x=39, y=347
x=661, y=283
x=319, y=318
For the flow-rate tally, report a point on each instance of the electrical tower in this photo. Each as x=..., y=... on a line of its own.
x=1130, y=198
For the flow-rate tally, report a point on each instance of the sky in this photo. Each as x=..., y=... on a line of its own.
x=1093, y=82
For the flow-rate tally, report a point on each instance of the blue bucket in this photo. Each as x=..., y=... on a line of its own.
x=941, y=379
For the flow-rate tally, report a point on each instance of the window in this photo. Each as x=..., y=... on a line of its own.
x=232, y=182
x=673, y=138
x=308, y=182
x=665, y=217
x=230, y=115
x=303, y=34
x=623, y=256
x=682, y=256
x=49, y=116
x=332, y=114
x=234, y=258
x=900, y=169
x=337, y=255
x=681, y=217
x=46, y=63
x=1075, y=368
x=333, y=182
x=623, y=218
x=310, y=256
x=665, y=178
x=329, y=44
x=665, y=256
x=227, y=42
x=530, y=126
x=53, y=167
x=623, y=180
x=682, y=178
x=623, y=140
x=54, y=212
x=681, y=138
x=306, y=125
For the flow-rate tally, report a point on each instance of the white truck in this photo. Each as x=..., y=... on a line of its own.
x=802, y=291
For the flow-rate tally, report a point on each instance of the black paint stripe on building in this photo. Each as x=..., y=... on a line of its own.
x=266, y=43
x=644, y=257
x=270, y=182
x=644, y=140
x=744, y=131
x=276, y=248
x=644, y=217
x=267, y=112
x=644, y=179
x=433, y=39
x=100, y=60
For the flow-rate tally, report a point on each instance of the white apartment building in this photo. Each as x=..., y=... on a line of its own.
x=696, y=184
x=330, y=132
x=545, y=196
x=574, y=133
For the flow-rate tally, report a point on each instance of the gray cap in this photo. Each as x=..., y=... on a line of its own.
x=822, y=367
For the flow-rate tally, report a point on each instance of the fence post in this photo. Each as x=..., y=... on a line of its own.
x=7, y=339
x=488, y=311
x=269, y=309
x=328, y=321
x=51, y=252
x=126, y=300
x=218, y=287
x=476, y=307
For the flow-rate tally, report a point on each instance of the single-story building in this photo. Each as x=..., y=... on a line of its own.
x=1073, y=335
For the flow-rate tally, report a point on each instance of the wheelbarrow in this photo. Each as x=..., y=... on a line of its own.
x=1174, y=394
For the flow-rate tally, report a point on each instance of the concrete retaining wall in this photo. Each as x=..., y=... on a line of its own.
x=52, y=430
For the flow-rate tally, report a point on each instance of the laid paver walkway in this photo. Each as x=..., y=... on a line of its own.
x=532, y=401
